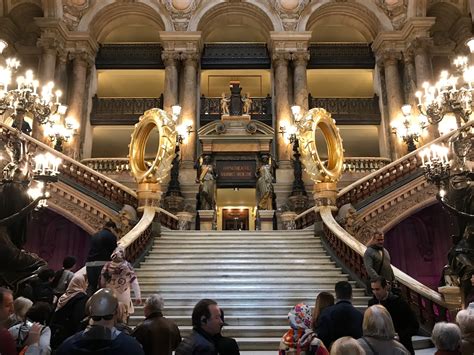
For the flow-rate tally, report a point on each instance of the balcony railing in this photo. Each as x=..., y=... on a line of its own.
x=121, y=111
x=341, y=56
x=354, y=111
x=260, y=110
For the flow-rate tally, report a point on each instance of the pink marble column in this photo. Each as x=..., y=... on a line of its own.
x=171, y=80
x=47, y=68
x=188, y=105
x=283, y=112
x=77, y=98
x=395, y=99
x=300, y=82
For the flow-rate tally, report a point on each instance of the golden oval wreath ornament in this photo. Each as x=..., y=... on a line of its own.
x=157, y=171
x=308, y=125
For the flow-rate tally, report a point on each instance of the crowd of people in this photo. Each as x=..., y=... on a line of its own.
x=88, y=312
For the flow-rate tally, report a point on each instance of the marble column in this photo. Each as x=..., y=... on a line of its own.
x=60, y=75
x=300, y=82
x=424, y=73
x=77, y=98
x=188, y=105
x=283, y=112
x=410, y=77
x=47, y=68
x=171, y=80
x=394, y=97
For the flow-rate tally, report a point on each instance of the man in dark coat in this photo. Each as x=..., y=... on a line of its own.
x=158, y=335
x=226, y=345
x=404, y=319
x=207, y=323
x=101, y=336
x=103, y=243
x=341, y=319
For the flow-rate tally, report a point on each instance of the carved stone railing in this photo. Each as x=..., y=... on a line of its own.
x=397, y=172
x=354, y=111
x=121, y=111
x=341, y=55
x=107, y=165
x=260, y=110
x=364, y=164
x=79, y=176
x=136, y=241
x=168, y=220
x=428, y=304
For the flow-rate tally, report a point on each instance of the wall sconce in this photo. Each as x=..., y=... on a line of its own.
x=184, y=130
x=175, y=111
x=410, y=129
x=289, y=133
x=296, y=111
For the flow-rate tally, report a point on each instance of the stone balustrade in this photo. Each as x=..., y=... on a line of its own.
x=78, y=175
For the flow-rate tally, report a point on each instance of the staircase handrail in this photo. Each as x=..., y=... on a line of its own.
x=136, y=240
x=129, y=196
x=399, y=168
x=415, y=292
x=382, y=161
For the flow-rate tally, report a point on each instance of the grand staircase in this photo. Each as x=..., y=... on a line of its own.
x=256, y=277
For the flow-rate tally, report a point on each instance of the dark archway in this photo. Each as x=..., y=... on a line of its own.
x=53, y=237
x=419, y=244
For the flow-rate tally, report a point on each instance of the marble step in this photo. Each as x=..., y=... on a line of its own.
x=240, y=241
x=280, y=234
x=250, y=266
x=265, y=274
x=166, y=260
x=242, y=309
x=247, y=300
x=245, y=251
x=241, y=247
x=244, y=281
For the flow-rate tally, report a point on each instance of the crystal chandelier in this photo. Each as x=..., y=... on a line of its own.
x=452, y=93
x=41, y=103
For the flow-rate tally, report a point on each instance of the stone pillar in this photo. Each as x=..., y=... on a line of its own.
x=60, y=75
x=77, y=100
x=394, y=96
x=424, y=73
x=283, y=112
x=206, y=219
x=47, y=68
x=188, y=112
x=300, y=83
x=171, y=80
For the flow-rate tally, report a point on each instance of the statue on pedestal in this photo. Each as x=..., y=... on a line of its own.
x=247, y=101
x=265, y=184
x=207, y=184
x=224, y=104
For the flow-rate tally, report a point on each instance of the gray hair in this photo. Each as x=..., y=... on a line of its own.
x=155, y=303
x=465, y=320
x=446, y=336
x=378, y=323
x=21, y=305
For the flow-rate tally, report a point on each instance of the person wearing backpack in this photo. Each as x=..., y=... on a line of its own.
x=63, y=277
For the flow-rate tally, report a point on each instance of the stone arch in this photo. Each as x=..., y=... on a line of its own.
x=22, y=17
x=368, y=21
x=258, y=17
x=450, y=25
x=103, y=18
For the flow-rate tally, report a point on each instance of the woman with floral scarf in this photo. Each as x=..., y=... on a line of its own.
x=300, y=339
x=119, y=276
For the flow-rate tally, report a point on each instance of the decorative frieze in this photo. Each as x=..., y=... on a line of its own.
x=131, y=56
